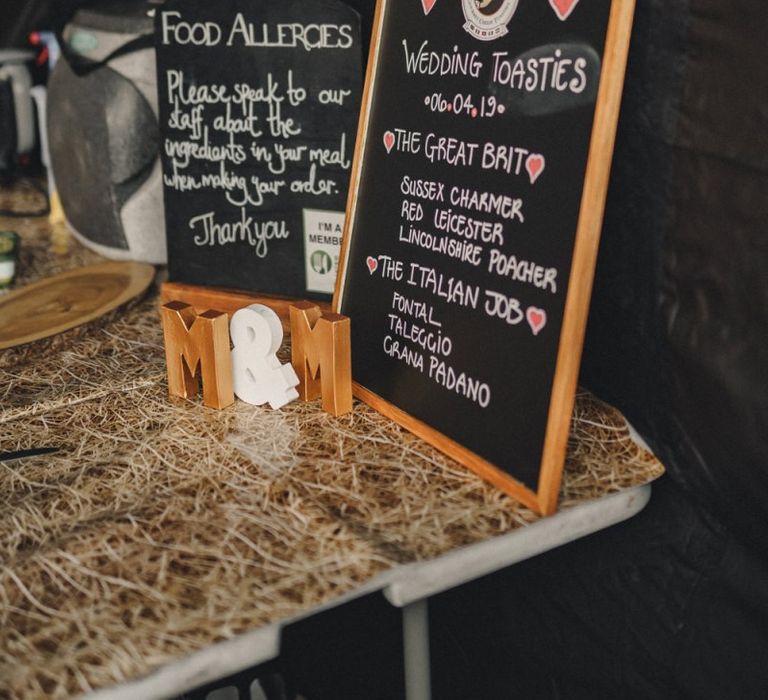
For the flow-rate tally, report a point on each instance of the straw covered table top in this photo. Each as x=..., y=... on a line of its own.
x=160, y=526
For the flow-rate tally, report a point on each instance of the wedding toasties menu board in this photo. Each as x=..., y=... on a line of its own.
x=473, y=222
x=259, y=105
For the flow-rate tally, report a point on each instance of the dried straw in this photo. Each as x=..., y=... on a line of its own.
x=161, y=526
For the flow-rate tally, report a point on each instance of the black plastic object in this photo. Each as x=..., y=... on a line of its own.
x=20, y=17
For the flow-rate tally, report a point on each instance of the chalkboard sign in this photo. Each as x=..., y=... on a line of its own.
x=473, y=223
x=259, y=104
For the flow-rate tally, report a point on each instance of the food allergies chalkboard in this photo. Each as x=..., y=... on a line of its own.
x=259, y=104
x=473, y=222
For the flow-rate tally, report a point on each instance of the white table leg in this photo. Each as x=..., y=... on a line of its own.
x=416, y=651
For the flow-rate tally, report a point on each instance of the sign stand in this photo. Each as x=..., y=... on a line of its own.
x=226, y=300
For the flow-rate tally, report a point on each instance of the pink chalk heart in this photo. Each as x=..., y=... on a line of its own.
x=563, y=8
x=537, y=319
x=372, y=263
x=389, y=140
x=428, y=5
x=534, y=164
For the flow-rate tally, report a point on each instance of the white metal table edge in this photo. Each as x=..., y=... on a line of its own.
x=403, y=586
x=422, y=579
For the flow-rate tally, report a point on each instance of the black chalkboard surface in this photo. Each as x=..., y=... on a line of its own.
x=474, y=215
x=259, y=105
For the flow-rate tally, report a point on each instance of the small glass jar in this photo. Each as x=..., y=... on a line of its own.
x=9, y=254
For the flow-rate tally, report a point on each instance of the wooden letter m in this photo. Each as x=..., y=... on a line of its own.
x=320, y=344
x=197, y=345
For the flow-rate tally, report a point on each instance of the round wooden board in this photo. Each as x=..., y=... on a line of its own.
x=70, y=299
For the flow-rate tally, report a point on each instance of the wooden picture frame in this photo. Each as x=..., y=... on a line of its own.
x=542, y=499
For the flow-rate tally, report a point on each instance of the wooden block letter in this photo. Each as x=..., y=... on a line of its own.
x=197, y=345
x=321, y=344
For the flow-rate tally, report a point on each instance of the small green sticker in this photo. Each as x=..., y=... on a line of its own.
x=322, y=263
x=322, y=244
x=83, y=42
x=9, y=243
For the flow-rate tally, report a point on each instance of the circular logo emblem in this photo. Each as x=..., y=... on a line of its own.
x=321, y=262
x=488, y=19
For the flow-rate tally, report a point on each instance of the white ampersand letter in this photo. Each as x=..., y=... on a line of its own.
x=257, y=374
